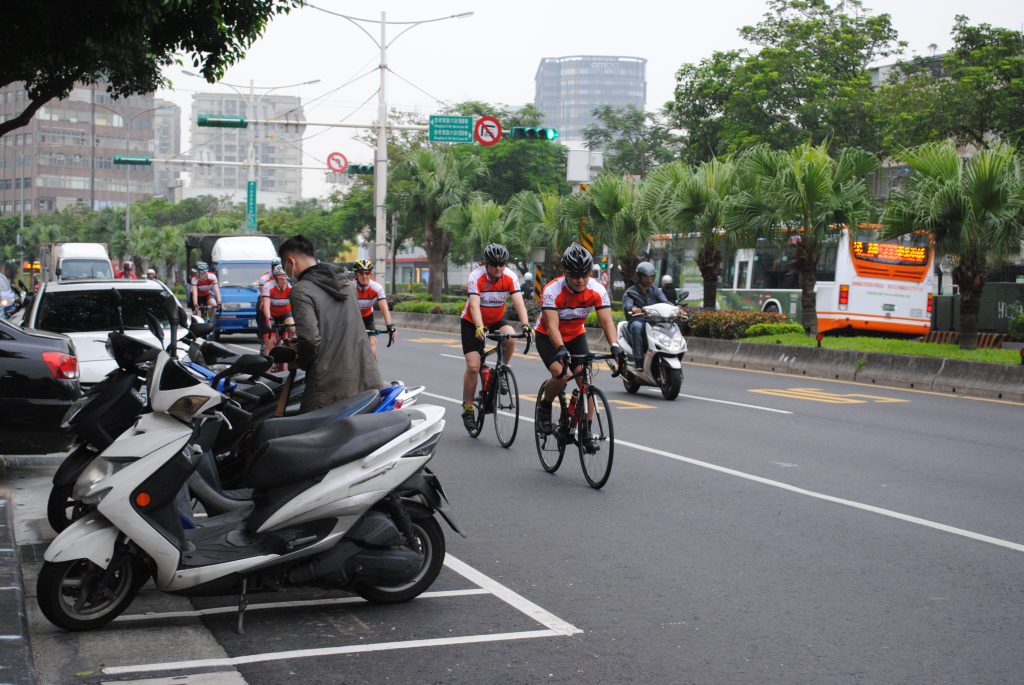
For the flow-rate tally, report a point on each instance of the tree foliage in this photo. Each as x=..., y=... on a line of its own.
x=53, y=45
x=633, y=141
x=807, y=80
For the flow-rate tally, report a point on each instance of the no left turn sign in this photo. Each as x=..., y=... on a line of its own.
x=337, y=162
x=487, y=130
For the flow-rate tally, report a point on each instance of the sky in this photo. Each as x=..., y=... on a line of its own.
x=493, y=55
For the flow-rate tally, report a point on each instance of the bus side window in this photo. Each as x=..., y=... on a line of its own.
x=742, y=273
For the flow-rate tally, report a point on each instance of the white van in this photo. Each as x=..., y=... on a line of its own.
x=75, y=261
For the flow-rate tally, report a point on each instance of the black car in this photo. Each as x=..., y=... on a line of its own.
x=38, y=383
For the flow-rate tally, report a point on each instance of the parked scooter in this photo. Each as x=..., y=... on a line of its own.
x=350, y=505
x=662, y=367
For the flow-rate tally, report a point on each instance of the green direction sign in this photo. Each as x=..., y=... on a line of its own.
x=451, y=129
x=250, y=208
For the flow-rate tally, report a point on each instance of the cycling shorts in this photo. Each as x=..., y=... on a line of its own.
x=470, y=343
x=546, y=350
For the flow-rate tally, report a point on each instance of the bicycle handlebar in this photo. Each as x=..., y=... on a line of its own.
x=378, y=331
x=499, y=337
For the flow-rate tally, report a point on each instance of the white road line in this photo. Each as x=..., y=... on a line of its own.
x=734, y=404
x=979, y=537
x=160, y=615
x=328, y=651
x=453, y=356
x=510, y=597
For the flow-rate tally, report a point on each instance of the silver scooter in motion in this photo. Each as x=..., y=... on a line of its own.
x=666, y=346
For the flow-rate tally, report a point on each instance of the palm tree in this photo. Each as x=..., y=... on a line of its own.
x=436, y=180
x=541, y=220
x=475, y=225
x=693, y=200
x=618, y=216
x=800, y=198
x=973, y=209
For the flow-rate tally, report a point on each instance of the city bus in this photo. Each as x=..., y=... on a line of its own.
x=864, y=282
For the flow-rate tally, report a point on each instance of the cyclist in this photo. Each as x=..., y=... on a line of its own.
x=565, y=305
x=369, y=292
x=266, y=277
x=205, y=290
x=636, y=297
x=490, y=287
x=277, y=307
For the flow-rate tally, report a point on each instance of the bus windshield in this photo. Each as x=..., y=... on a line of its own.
x=911, y=249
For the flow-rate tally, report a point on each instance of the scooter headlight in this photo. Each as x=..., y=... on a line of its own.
x=89, y=486
x=666, y=339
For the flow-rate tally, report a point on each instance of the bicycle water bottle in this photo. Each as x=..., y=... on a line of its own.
x=485, y=376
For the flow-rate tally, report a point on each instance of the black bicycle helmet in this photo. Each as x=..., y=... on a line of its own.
x=645, y=269
x=363, y=265
x=577, y=260
x=496, y=254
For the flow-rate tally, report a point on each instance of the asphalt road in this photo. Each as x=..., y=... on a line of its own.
x=759, y=529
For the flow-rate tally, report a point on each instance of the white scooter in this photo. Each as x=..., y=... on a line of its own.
x=663, y=361
x=349, y=505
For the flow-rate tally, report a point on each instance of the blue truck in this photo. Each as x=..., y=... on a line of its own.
x=238, y=261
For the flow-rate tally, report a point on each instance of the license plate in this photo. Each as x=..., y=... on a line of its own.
x=888, y=307
x=252, y=323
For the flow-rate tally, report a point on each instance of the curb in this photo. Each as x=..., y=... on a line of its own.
x=946, y=376
x=16, y=662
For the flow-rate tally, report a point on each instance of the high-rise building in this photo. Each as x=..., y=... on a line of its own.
x=278, y=144
x=569, y=89
x=64, y=156
x=166, y=144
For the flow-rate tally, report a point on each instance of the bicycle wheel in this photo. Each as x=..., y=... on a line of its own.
x=597, y=464
x=506, y=406
x=551, y=448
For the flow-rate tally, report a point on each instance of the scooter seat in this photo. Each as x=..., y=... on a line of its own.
x=279, y=427
x=215, y=353
x=296, y=457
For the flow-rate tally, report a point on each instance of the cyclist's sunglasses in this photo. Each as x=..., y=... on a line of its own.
x=498, y=264
x=581, y=274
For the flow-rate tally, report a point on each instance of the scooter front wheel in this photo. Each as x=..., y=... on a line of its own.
x=70, y=595
x=430, y=543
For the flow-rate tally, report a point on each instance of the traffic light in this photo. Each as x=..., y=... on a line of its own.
x=532, y=133
x=360, y=168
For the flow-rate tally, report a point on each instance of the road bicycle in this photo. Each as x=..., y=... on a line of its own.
x=499, y=392
x=570, y=428
x=209, y=314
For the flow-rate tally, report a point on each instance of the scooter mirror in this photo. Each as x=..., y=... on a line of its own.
x=153, y=324
x=200, y=329
x=251, y=363
x=683, y=296
x=282, y=355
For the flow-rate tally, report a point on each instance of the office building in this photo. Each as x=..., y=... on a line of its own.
x=63, y=157
x=569, y=89
x=166, y=145
x=278, y=144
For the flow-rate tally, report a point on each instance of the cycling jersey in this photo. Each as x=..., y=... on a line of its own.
x=204, y=285
x=264, y=279
x=368, y=296
x=279, y=302
x=493, y=296
x=572, y=308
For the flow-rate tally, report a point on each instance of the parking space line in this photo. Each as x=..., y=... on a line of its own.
x=158, y=615
x=327, y=651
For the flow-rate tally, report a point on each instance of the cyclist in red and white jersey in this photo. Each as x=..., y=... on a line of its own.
x=369, y=293
x=565, y=305
x=265, y=278
x=277, y=307
x=205, y=290
x=490, y=287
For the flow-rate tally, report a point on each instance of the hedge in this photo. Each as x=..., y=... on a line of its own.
x=772, y=329
x=728, y=324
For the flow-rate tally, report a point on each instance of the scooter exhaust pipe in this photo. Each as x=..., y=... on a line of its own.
x=347, y=562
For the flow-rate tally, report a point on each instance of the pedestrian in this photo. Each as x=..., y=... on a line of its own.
x=330, y=338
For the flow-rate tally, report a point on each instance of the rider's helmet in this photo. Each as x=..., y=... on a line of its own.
x=496, y=255
x=279, y=271
x=527, y=276
x=202, y=267
x=645, y=269
x=363, y=266
x=151, y=274
x=666, y=280
x=276, y=261
x=577, y=260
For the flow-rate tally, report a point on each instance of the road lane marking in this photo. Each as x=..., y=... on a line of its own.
x=257, y=606
x=626, y=404
x=819, y=395
x=554, y=627
x=907, y=518
x=734, y=404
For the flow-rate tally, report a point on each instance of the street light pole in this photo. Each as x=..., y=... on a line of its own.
x=380, y=171
x=250, y=105
x=19, y=160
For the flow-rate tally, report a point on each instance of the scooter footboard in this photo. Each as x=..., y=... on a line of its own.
x=91, y=537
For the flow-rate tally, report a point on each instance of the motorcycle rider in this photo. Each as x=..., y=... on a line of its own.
x=637, y=296
x=669, y=289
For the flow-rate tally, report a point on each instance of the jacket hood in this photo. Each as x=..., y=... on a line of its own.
x=331, y=280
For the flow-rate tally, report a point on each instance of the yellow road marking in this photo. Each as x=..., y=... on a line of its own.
x=626, y=404
x=819, y=395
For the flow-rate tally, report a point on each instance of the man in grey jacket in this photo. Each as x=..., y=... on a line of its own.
x=332, y=345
